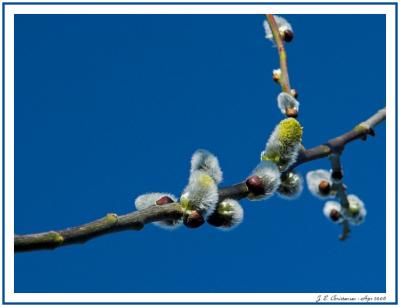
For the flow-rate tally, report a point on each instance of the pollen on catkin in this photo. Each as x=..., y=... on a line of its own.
x=284, y=144
x=283, y=26
x=201, y=193
x=146, y=200
x=205, y=161
x=268, y=175
x=319, y=182
x=227, y=215
x=286, y=101
x=291, y=186
x=356, y=212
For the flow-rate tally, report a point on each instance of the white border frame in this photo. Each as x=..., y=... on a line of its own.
x=11, y=10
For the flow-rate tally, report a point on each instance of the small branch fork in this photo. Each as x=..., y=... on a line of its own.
x=137, y=219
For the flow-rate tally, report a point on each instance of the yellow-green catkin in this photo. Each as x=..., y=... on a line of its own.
x=201, y=193
x=284, y=143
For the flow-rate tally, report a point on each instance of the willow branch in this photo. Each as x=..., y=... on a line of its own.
x=361, y=131
x=284, y=80
x=108, y=224
x=137, y=219
x=338, y=186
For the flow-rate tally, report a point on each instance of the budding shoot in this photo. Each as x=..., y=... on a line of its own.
x=263, y=181
x=284, y=28
x=227, y=215
x=201, y=194
x=319, y=182
x=291, y=186
x=333, y=211
x=204, y=160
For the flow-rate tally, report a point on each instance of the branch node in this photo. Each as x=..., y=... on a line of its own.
x=111, y=218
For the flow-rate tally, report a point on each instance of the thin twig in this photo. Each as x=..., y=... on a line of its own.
x=345, y=230
x=337, y=144
x=284, y=79
x=137, y=219
x=341, y=194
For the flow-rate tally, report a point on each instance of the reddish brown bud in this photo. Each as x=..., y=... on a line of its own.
x=291, y=113
x=324, y=187
x=164, y=200
x=193, y=219
x=255, y=185
x=287, y=35
x=335, y=215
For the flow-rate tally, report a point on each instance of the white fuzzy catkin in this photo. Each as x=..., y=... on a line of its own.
x=270, y=176
x=146, y=200
x=292, y=186
x=231, y=212
x=201, y=194
x=282, y=24
x=356, y=213
x=286, y=101
x=333, y=205
x=204, y=160
x=314, y=178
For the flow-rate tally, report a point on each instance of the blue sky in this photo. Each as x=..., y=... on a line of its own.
x=108, y=107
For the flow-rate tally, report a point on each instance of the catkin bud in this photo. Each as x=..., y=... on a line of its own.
x=291, y=186
x=284, y=28
x=227, y=215
x=193, y=219
x=287, y=102
x=319, y=183
x=146, y=200
x=356, y=212
x=276, y=75
x=263, y=181
x=201, y=194
x=205, y=161
x=159, y=199
x=333, y=211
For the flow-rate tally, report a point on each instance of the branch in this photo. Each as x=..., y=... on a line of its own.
x=137, y=219
x=337, y=175
x=284, y=80
x=336, y=145
x=110, y=223
x=346, y=231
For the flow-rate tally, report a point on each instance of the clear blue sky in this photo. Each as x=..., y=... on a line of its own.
x=108, y=107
